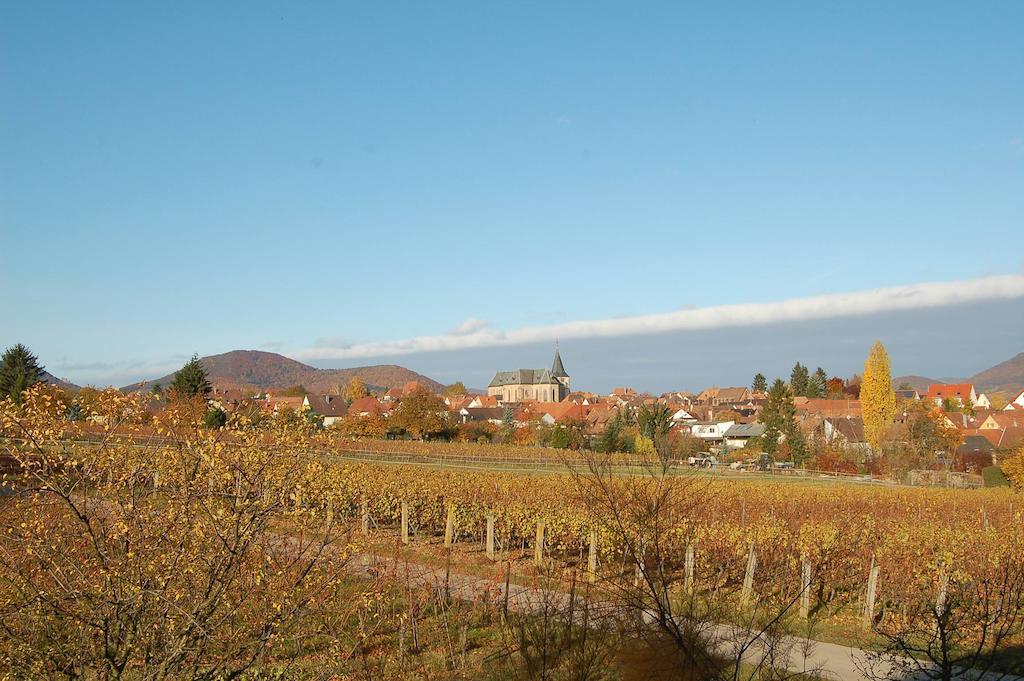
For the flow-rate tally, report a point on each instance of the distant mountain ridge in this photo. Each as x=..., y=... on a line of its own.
x=1006, y=377
x=59, y=382
x=269, y=370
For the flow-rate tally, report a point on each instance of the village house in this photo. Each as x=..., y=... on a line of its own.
x=330, y=407
x=716, y=397
x=711, y=432
x=365, y=406
x=957, y=393
x=739, y=434
x=1000, y=420
x=845, y=431
x=494, y=415
x=907, y=394
x=277, y=404
x=1016, y=403
x=681, y=415
x=827, y=407
x=537, y=385
x=482, y=401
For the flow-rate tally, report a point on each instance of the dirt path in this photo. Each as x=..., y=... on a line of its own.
x=827, y=660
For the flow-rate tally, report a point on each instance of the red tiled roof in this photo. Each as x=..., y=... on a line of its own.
x=943, y=390
x=827, y=407
x=366, y=405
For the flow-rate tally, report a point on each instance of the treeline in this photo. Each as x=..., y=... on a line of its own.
x=803, y=383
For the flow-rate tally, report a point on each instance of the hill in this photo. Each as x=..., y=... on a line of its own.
x=1006, y=377
x=268, y=370
x=918, y=383
x=59, y=382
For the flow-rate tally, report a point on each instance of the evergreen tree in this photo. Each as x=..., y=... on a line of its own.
x=798, y=379
x=778, y=417
x=190, y=380
x=818, y=384
x=760, y=384
x=19, y=370
x=877, y=398
x=215, y=418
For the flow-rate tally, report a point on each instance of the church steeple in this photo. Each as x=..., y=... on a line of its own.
x=557, y=368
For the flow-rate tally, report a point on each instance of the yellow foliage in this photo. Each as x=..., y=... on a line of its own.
x=1013, y=468
x=877, y=398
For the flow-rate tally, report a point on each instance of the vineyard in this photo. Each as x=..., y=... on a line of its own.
x=854, y=556
x=915, y=535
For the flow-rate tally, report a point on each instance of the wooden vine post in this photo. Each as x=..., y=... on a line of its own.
x=638, y=571
x=449, y=527
x=805, y=586
x=405, y=522
x=592, y=558
x=748, y=578
x=490, y=537
x=689, y=565
x=538, y=546
x=364, y=512
x=869, y=601
x=940, y=601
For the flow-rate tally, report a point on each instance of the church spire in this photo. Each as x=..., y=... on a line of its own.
x=557, y=368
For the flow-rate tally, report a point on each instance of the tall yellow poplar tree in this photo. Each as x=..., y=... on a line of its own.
x=877, y=399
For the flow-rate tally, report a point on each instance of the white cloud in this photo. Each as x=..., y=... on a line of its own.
x=469, y=326
x=915, y=296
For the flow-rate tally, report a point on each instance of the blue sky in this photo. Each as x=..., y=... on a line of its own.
x=196, y=178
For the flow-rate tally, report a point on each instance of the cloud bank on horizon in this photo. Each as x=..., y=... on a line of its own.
x=475, y=333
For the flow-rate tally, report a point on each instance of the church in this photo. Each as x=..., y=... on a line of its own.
x=538, y=385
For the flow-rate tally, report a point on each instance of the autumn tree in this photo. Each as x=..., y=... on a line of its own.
x=19, y=370
x=834, y=387
x=355, y=390
x=760, y=384
x=372, y=426
x=925, y=435
x=190, y=380
x=946, y=621
x=1013, y=468
x=877, y=398
x=669, y=624
x=998, y=401
x=142, y=560
x=423, y=415
x=456, y=389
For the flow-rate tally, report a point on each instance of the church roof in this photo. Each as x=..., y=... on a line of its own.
x=523, y=377
x=557, y=368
